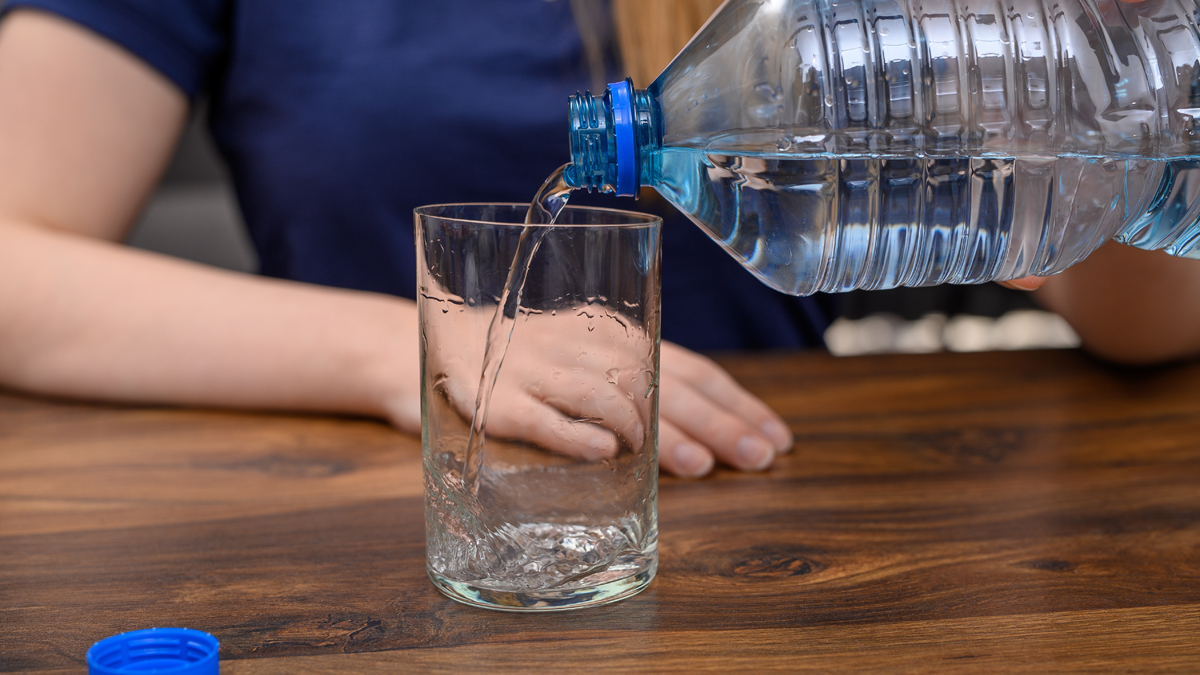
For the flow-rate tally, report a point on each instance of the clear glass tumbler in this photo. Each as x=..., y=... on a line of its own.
x=558, y=509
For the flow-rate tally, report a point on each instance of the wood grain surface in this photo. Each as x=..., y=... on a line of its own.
x=1011, y=512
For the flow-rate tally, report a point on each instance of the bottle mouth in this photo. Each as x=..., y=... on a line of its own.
x=604, y=154
x=589, y=142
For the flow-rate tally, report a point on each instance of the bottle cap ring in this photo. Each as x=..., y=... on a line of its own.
x=622, y=109
x=157, y=651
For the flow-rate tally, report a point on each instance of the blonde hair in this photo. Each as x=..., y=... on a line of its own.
x=649, y=33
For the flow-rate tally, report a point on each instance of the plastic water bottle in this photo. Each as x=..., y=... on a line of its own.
x=838, y=144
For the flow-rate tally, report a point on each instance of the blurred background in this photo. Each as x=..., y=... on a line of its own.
x=194, y=215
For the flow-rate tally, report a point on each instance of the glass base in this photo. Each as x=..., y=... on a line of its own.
x=550, y=600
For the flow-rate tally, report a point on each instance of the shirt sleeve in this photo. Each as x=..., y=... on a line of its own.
x=185, y=40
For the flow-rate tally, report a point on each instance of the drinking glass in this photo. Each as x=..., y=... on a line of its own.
x=558, y=507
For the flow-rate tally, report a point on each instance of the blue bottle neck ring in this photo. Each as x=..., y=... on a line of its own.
x=614, y=140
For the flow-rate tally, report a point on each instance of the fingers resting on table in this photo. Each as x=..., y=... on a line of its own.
x=706, y=416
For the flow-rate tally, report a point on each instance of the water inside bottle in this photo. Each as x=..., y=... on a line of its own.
x=809, y=222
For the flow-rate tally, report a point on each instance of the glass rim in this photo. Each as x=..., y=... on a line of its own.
x=637, y=218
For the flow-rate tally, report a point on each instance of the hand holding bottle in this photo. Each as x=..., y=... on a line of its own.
x=872, y=144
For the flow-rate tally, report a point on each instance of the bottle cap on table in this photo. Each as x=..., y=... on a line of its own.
x=161, y=651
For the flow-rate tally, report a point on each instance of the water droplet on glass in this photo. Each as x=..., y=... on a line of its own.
x=767, y=90
x=613, y=374
x=883, y=30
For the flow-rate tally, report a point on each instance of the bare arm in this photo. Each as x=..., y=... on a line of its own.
x=85, y=131
x=1129, y=305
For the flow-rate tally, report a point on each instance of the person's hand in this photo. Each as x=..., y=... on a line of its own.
x=577, y=382
x=706, y=415
x=1024, y=283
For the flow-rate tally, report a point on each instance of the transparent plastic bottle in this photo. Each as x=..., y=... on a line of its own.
x=838, y=144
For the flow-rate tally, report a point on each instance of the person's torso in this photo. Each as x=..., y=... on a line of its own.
x=339, y=118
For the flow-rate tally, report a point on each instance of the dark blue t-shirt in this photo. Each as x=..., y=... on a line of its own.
x=338, y=118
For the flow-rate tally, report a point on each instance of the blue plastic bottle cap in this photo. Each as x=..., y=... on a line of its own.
x=621, y=95
x=157, y=651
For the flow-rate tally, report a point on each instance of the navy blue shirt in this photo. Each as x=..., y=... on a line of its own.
x=338, y=118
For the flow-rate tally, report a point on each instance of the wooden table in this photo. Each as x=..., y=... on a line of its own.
x=1017, y=512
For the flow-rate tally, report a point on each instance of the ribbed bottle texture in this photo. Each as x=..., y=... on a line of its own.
x=876, y=143
x=592, y=148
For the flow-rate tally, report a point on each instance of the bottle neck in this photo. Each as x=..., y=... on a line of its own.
x=615, y=139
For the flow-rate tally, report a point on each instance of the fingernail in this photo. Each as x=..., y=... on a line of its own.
x=754, y=453
x=693, y=461
x=780, y=435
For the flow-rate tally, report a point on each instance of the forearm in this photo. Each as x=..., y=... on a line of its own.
x=1129, y=305
x=87, y=318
